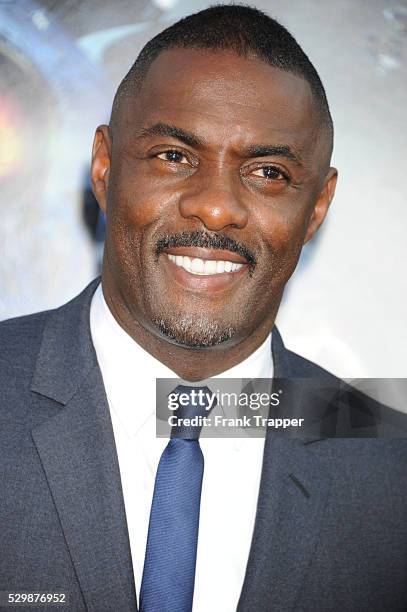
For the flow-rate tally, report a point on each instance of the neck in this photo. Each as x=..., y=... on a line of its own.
x=190, y=364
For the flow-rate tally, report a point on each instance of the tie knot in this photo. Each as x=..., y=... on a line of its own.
x=194, y=403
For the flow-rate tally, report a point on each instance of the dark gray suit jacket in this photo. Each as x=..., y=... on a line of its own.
x=331, y=523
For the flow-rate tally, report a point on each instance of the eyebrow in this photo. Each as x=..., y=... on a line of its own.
x=272, y=150
x=192, y=140
x=165, y=129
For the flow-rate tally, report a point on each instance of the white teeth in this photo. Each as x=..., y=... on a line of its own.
x=205, y=267
x=210, y=266
x=220, y=266
x=197, y=266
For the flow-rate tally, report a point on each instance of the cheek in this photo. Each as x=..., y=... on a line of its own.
x=283, y=233
x=131, y=204
x=137, y=209
x=138, y=196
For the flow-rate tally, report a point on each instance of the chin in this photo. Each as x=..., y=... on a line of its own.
x=192, y=332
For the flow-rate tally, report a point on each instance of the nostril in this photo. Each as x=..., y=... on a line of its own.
x=215, y=215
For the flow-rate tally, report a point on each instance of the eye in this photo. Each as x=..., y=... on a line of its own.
x=271, y=173
x=172, y=155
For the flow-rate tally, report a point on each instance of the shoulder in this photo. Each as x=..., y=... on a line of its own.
x=304, y=368
x=20, y=342
x=343, y=410
x=20, y=339
x=288, y=364
x=42, y=339
x=368, y=439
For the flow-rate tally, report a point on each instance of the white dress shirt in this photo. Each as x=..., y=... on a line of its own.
x=232, y=465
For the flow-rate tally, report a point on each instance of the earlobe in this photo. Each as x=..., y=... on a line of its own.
x=101, y=164
x=322, y=204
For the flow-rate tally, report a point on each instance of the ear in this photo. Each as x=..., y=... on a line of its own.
x=322, y=204
x=101, y=155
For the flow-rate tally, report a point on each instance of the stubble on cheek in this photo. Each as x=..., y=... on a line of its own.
x=123, y=248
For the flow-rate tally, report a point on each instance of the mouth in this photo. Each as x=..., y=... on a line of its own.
x=202, y=269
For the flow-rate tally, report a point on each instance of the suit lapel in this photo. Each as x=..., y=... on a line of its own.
x=293, y=493
x=77, y=450
x=292, y=498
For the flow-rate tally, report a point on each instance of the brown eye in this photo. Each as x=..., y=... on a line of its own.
x=173, y=156
x=270, y=172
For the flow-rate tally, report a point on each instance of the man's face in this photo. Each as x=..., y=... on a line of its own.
x=216, y=172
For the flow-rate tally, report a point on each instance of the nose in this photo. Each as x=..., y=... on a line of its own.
x=214, y=204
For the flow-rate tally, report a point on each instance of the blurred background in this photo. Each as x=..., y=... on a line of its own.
x=61, y=61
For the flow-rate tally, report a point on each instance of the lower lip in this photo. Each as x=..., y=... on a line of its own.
x=199, y=282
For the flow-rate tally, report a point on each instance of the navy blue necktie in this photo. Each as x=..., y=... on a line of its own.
x=169, y=565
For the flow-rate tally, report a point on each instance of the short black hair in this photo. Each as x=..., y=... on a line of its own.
x=240, y=28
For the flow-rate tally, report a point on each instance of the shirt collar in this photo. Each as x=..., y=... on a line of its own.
x=129, y=372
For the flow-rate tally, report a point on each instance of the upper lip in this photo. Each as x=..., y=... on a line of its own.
x=204, y=253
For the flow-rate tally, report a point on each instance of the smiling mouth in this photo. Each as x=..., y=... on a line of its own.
x=204, y=267
x=204, y=270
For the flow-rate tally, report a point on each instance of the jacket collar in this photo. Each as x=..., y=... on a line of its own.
x=281, y=358
x=66, y=354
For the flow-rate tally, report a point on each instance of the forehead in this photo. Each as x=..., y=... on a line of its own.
x=226, y=96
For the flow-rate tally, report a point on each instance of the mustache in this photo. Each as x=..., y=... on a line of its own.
x=205, y=240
